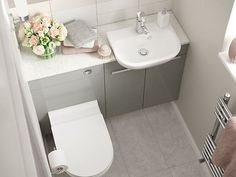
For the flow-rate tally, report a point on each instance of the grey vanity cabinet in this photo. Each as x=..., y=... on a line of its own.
x=67, y=89
x=124, y=89
x=162, y=82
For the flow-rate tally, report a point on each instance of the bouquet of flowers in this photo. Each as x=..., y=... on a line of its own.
x=43, y=35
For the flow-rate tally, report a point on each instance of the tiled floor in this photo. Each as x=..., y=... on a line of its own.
x=151, y=143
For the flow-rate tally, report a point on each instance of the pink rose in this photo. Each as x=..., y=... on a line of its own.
x=33, y=41
x=35, y=19
x=37, y=27
x=54, y=32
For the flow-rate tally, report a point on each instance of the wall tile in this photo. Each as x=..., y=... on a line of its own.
x=12, y=4
x=154, y=6
x=68, y=10
x=96, y=11
x=115, y=10
x=41, y=7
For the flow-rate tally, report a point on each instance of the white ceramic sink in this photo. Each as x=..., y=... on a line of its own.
x=138, y=51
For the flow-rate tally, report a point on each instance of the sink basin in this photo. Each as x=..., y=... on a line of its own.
x=138, y=51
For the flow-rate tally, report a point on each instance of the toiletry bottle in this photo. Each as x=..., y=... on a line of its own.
x=163, y=18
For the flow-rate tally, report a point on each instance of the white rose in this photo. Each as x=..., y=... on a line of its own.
x=41, y=33
x=61, y=38
x=63, y=33
x=38, y=50
x=57, y=43
x=55, y=24
x=28, y=34
x=52, y=45
x=27, y=25
x=63, y=30
x=45, y=30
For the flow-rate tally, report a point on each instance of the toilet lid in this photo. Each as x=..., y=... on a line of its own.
x=86, y=144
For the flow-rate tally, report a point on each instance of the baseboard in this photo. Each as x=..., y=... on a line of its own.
x=192, y=142
x=187, y=131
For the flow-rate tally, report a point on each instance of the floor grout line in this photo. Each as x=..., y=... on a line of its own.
x=119, y=148
x=184, y=163
x=122, y=152
x=149, y=123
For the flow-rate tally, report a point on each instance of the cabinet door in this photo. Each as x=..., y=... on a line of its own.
x=124, y=89
x=163, y=82
x=68, y=89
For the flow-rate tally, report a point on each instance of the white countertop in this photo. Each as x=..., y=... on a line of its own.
x=35, y=68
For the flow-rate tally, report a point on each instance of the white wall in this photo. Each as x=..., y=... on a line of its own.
x=231, y=28
x=205, y=78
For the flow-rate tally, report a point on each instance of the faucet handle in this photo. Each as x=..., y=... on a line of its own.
x=140, y=16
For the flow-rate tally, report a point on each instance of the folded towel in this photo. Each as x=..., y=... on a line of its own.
x=225, y=153
x=66, y=50
x=80, y=33
x=67, y=43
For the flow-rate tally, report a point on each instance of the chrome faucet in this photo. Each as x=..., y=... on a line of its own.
x=140, y=23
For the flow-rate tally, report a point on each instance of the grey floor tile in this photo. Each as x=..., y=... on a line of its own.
x=206, y=171
x=162, y=173
x=192, y=169
x=117, y=168
x=139, y=149
x=169, y=133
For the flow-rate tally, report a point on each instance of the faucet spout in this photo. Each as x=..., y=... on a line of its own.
x=145, y=30
x=140, y=23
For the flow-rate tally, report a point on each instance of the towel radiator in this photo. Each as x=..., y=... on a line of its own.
x=222, y=114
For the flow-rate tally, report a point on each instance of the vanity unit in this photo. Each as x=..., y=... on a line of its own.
x=117, y=89
x=69, y=80
x=129, y=90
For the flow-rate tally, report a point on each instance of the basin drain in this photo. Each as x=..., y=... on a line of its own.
x=143, y=52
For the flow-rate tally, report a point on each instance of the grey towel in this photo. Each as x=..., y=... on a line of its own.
x=80, y=33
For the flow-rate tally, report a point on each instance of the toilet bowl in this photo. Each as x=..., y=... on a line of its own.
x=81, y=132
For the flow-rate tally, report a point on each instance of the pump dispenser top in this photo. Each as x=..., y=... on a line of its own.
x=163, y=18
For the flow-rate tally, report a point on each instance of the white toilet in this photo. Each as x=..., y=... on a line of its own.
x=81, y=132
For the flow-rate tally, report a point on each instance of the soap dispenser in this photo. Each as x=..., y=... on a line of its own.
x=163, y=18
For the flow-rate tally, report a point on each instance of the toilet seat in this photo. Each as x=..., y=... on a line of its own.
x=81, y=132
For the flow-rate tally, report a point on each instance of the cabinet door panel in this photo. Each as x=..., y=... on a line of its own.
x=124, y=90
x=163, y=82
